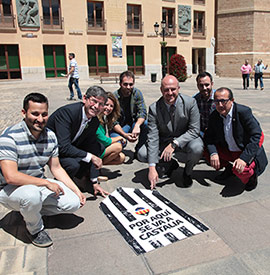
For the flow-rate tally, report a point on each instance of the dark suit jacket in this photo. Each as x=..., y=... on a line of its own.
x=247, y=134
x=65, y=122
x=160, y=130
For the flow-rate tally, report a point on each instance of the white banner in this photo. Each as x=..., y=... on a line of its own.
x=147, y=220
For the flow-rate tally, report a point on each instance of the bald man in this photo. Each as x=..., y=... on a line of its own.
x=174, y=127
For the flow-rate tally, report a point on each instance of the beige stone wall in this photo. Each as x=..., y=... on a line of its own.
x=76, y=39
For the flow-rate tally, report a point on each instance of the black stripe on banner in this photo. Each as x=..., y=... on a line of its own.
x=126, y=196
x=147, y=200
x=156, y=244
x=170, y=236
x=185, y=231
x=122, y=209
x=182, y=213
x=121, y=229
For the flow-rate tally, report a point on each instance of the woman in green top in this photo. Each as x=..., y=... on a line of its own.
x=112, y=154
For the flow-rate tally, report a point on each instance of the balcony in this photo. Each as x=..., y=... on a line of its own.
x=52, y=25
x=134, y=29
x=7, y=23
x=96, y=26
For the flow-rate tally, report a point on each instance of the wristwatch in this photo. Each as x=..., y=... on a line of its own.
x=173, y=144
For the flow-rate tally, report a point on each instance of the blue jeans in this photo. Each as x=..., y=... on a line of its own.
x=74, y=81
x=258, y=76
x=128, y=129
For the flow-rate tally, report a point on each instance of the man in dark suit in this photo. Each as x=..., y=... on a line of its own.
x=75, y=126
x=234, y=135
x=174, y=127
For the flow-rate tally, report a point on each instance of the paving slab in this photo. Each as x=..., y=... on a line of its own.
x=228, y=265
x=200, y=248
x=244, y=227
x=99, y=253
x=87, y=243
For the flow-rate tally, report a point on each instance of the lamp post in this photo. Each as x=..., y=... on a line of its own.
x=163, y=43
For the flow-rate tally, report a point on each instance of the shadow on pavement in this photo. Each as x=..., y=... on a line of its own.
x=14, y=224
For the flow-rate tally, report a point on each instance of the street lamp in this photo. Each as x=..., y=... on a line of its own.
x=163, y=43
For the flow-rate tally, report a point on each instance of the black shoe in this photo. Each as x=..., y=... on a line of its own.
x=187, y=179
x=173, y=166
x=71, y=98
x=41, y=239
x=252, y=183
x=225, y=174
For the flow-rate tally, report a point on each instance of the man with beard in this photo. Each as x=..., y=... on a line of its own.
x=25, y=149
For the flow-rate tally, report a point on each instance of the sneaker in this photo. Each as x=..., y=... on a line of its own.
x=41, y=239
x=225, y=174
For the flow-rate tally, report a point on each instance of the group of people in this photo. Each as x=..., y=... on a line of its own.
x=78, y=138
x=258, y=74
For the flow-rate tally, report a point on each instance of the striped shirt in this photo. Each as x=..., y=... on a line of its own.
x=31, y=154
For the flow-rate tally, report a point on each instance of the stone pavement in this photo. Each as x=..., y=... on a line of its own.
x=238, y=241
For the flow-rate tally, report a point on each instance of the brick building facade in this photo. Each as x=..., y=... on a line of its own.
x=242, y=32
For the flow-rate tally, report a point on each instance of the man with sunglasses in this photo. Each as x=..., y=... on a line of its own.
x=75, y=126
x=132, y=123
x=234, y=140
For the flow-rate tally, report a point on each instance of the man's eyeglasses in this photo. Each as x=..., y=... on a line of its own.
x=222, y=101
x=94, y=101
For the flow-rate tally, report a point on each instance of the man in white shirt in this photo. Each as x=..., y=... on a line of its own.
x=73, y=74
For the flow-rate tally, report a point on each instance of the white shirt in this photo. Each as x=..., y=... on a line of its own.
x=228, y=131
x=84, y=122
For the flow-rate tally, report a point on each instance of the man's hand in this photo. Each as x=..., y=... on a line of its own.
x=81, y=197
x=152, y=176
x=98, y=190
x=96, y=161
x=130, y=137
x=54, y=187
x=239, y=165
x=136, y=131
x=214, y=161
x=167, y=153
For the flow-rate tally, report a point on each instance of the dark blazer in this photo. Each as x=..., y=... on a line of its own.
x=65, y=122
x=247, y=134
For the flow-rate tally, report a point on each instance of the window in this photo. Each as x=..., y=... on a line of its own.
x=169, y=51
x=51, y=14
x=135, y=59
x=169, y=16
x=95, y=15
x=199, y=2
x=198, y=24
x=9, y=62
x=134, y=21
x=54, y=60
x=97, y=59
x=6, y=15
